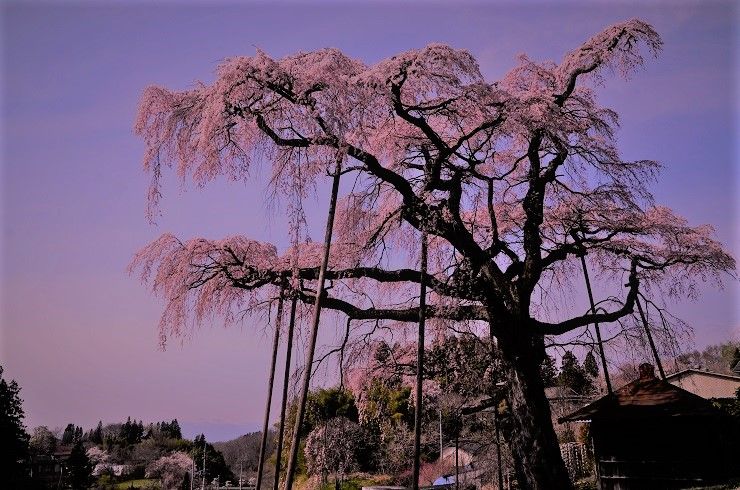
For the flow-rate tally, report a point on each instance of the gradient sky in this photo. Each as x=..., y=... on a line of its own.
x=79, y=334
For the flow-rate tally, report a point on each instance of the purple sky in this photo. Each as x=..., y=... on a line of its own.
x=79, y=334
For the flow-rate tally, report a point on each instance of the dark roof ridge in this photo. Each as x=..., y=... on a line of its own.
x=645, y=397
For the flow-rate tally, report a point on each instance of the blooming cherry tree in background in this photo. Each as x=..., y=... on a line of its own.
x=332, y=448
x=171, y=470
x=513, y=181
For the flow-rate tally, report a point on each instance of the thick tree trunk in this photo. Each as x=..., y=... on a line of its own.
x=533, y=443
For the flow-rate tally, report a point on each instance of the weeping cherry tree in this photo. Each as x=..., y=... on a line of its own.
x=513, y=181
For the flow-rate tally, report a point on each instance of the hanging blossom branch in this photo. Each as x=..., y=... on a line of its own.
x=208, y=277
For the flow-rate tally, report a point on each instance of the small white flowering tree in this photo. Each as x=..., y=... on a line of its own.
x=171, y=469
x=331, y=448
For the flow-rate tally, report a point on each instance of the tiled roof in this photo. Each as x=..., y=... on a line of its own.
x=647, y=396
x=562, y=393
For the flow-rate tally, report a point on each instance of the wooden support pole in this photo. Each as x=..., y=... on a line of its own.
x=284, y=401
x=295, y=442
x=596, y=325
x=650, y=338
x=498, y=449
x=457, y=460
x=420, y=363
x=270, y=383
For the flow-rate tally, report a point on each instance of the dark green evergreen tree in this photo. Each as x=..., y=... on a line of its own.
x=549, y=371
x=96, y=435
x=216, y=466
x=68, y=436
x=77, y=434
x=131, y=432
x=170, y=430
x=590, y=365
x=125, y=431
x=80, y=467
x=573, y=375
x=138, y=432
x=175, y=431
x=13, y=436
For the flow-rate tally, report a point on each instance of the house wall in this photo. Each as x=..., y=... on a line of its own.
x=464, y=458
x=661, y=452
x=706, y=385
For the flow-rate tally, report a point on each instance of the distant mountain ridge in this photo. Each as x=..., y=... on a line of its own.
x=215, y=431
x=244, y=450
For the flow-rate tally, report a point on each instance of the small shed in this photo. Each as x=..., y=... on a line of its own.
x=651, y=434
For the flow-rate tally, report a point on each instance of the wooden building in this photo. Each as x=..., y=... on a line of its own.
x=706, y=384
x=650, y=434
x=51, y=470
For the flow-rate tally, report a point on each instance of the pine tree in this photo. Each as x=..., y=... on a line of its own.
x=77, y=434
x=13, y=436
x=548, y=371
x=68, y=435
x=80, y=467
x=138, y=432
x=124, y=432
x=590, y=365
x=573, y=375
x=216, y=466
x=96, y=435
x=175, y=431
x=132, y=431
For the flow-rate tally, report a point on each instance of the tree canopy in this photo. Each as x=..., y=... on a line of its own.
x=511, y=178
